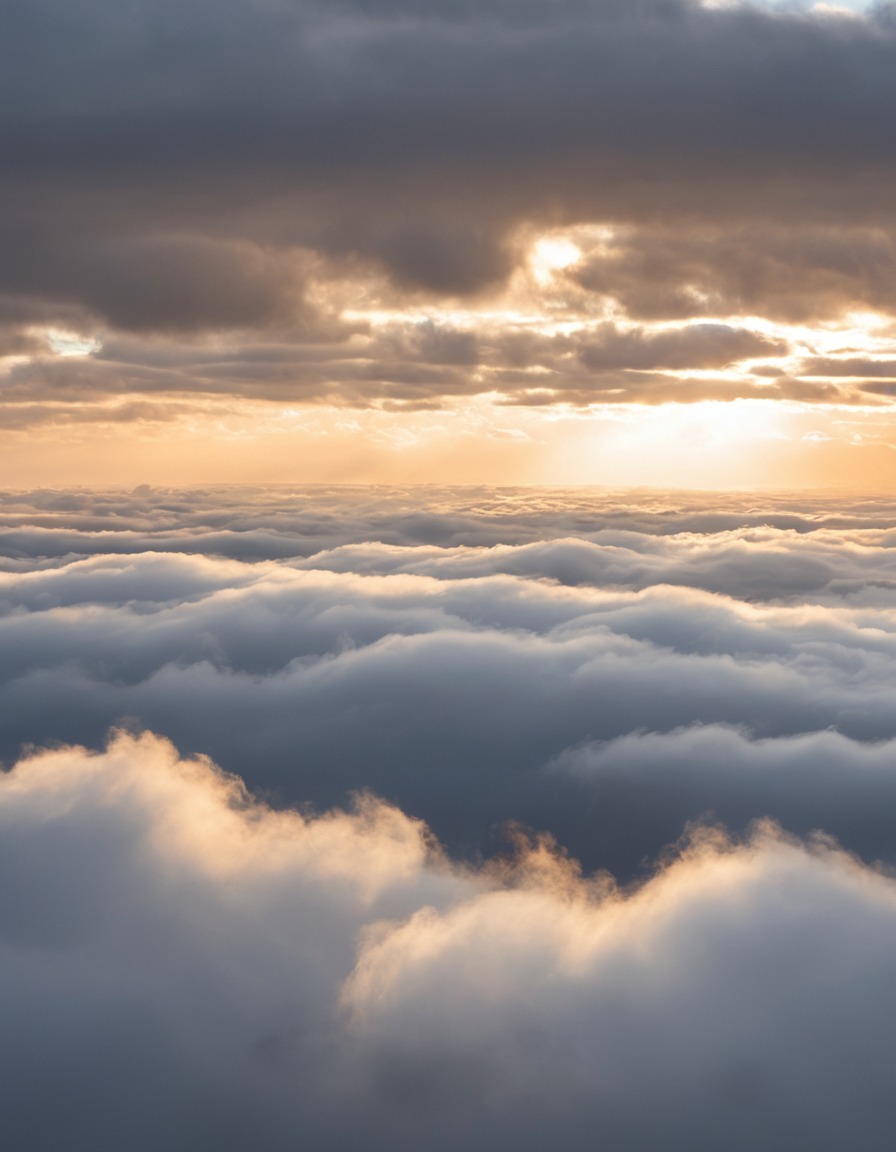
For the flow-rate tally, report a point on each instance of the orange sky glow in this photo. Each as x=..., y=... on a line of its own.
x=545, y=380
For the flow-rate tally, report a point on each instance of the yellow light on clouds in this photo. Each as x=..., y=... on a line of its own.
x=71, y=343
x=552, y=254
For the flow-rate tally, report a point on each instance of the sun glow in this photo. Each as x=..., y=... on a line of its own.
x=551, y=254
x=71, y=343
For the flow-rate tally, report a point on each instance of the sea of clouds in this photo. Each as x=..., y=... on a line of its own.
x=370, y=818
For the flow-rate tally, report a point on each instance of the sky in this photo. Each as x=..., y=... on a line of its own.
x=518, y=241
x=447, y=575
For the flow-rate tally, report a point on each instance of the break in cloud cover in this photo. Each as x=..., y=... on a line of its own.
x=444, y=238
x=497, y=818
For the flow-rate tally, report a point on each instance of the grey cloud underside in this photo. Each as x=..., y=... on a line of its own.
x=169, y=169
x=182, y=967
x=487, y=657
x=791, y=271
x=313, y=93
x=420, y=363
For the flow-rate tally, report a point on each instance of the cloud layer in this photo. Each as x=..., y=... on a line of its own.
x=602, y=670
x=538, y=818
x=347, y=204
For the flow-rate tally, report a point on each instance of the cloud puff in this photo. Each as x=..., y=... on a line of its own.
x=182, y=966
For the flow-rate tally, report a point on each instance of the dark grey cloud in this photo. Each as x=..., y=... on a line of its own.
x=434, y=358
x=419, y=363
x=184, y=283
x=800, y=272
x=163, y=163
x=819, y=779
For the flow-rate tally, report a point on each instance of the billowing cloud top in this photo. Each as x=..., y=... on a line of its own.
x=183, y=967
x=538, y=819
x=603, y=671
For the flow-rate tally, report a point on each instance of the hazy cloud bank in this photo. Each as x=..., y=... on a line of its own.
x=651, y=665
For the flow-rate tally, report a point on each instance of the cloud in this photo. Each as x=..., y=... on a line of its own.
x=850, y=367
x=420, y=360
x=218, y=191
x=493, y=818
x=695, y=346
x=799, y=272
x=187, y=283
x=182, y=965
x=470, y=659
x=820, y=779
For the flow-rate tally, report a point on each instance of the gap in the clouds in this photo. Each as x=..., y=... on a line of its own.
x=818, y=7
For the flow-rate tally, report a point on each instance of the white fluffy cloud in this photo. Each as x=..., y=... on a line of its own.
x=182, y=967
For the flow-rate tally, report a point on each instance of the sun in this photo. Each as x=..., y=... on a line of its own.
x=552, y=254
